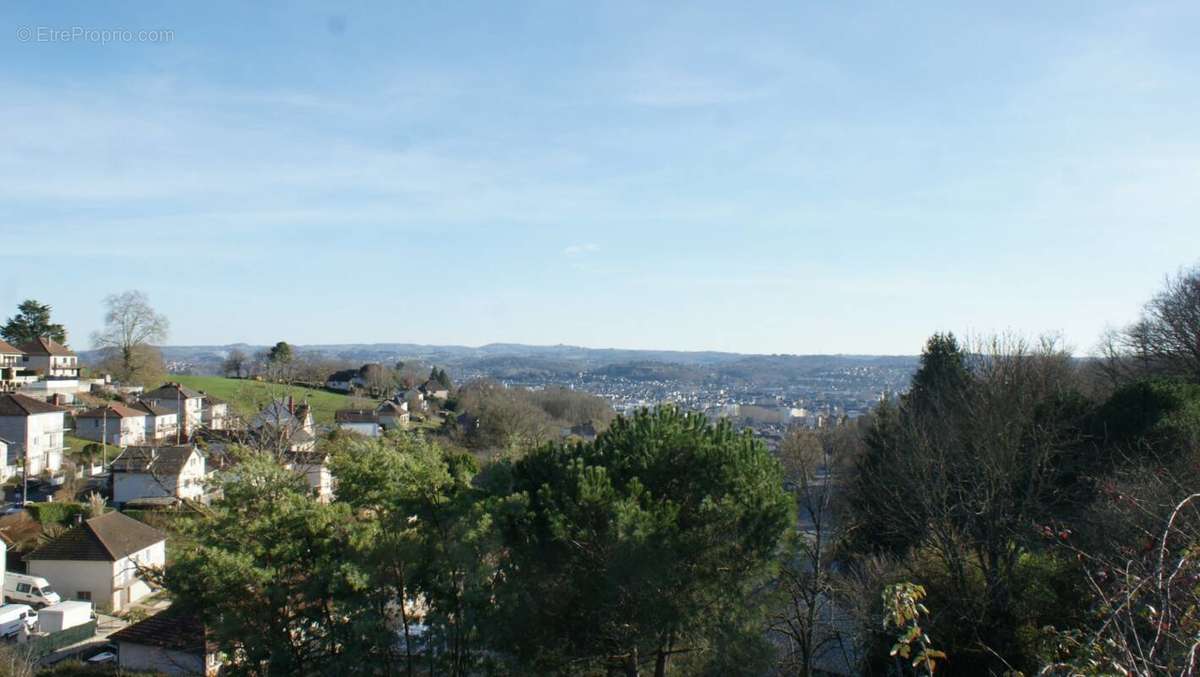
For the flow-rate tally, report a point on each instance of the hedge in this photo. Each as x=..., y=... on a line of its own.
x=55, y=512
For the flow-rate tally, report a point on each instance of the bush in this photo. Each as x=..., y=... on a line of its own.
x=55, y=513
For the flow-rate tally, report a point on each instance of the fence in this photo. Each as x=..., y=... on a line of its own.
x=44, y=645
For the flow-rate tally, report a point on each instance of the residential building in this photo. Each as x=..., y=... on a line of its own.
x=314, y=465
x=170, y=642
x=51, y=359
x=162, y=424
x=414, y=398
x=167, y=472
x=6, y=470
x=35, y=431
x=284, y=425
x=13, y=372
x=434, y=390
x=101, y=560
x=344, y=380
x=114, y=423
x=188, y=403
x=214, y=412
x=393, y=415
x=360, y=421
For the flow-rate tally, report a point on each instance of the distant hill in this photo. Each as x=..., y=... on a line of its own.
x=528, y=363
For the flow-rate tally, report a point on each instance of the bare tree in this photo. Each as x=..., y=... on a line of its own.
x=1143, y=581
x=1166, y=339
x=235, y=363
x=808, y=620
x=130, y=326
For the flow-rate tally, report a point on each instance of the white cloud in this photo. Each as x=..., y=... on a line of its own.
x=581, y=249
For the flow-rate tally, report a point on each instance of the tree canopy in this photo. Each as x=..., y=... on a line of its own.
x=637, y=546
x=32, y=322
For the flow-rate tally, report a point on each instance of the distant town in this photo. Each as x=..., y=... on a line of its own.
x=767, y=394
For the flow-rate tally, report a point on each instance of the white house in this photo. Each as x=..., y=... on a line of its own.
x=6, y=470
x=101, y=560
x=50, y=358
x=361, y=421
x=214, y=412
x=13, y=373
x=114, y=423
x=158, y=472
x=393, y=415
x=170, y=643
x=414, y=398
x=314, y=465
x=162, y=424
x=344, y=380
x=434, y=390
x=182, y=400
x=286, y=425
x=34, y=430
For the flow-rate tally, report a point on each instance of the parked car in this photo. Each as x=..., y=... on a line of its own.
x=12, y=616
x=102, y=657
x=33, y=590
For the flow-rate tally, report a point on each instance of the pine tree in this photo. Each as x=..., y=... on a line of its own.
x=32, y=322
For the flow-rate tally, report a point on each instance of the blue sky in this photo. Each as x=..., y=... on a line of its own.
x=799, y=177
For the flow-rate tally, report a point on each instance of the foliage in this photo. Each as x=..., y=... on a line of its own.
x=427, y=541
x=632, y=548
x=32, y=322
x=280, y=353
x=904, y=609
x=267, y=572
x=1155, y=417
x=519, y=417
x=440, y=377
x=55, y=512
x=960, y=469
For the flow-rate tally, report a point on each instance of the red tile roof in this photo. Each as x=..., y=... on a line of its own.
x=114, y=409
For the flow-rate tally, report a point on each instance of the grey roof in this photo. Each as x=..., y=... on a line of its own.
x=112, y=409
x=171, y=391
x=106, y=538
x=356, y=416
x=172, y=629
x=167, y=460
x=154, y=409
x=390, y=408
x=16, y=404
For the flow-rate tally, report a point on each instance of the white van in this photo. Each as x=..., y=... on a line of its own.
x=13, y=615
x=33, y=590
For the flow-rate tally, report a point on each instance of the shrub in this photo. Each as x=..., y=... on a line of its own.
x=55, y=513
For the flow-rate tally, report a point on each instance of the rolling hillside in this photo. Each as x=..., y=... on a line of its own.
x=246, y=397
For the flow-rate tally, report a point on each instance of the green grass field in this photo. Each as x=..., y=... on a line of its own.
x=247, y=397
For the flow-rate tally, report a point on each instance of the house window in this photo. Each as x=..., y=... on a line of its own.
x=84, y=595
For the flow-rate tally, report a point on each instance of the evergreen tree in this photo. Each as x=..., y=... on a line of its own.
x=32, y=322
x=635, y=548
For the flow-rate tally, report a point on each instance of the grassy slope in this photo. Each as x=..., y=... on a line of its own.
x=248, y=397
